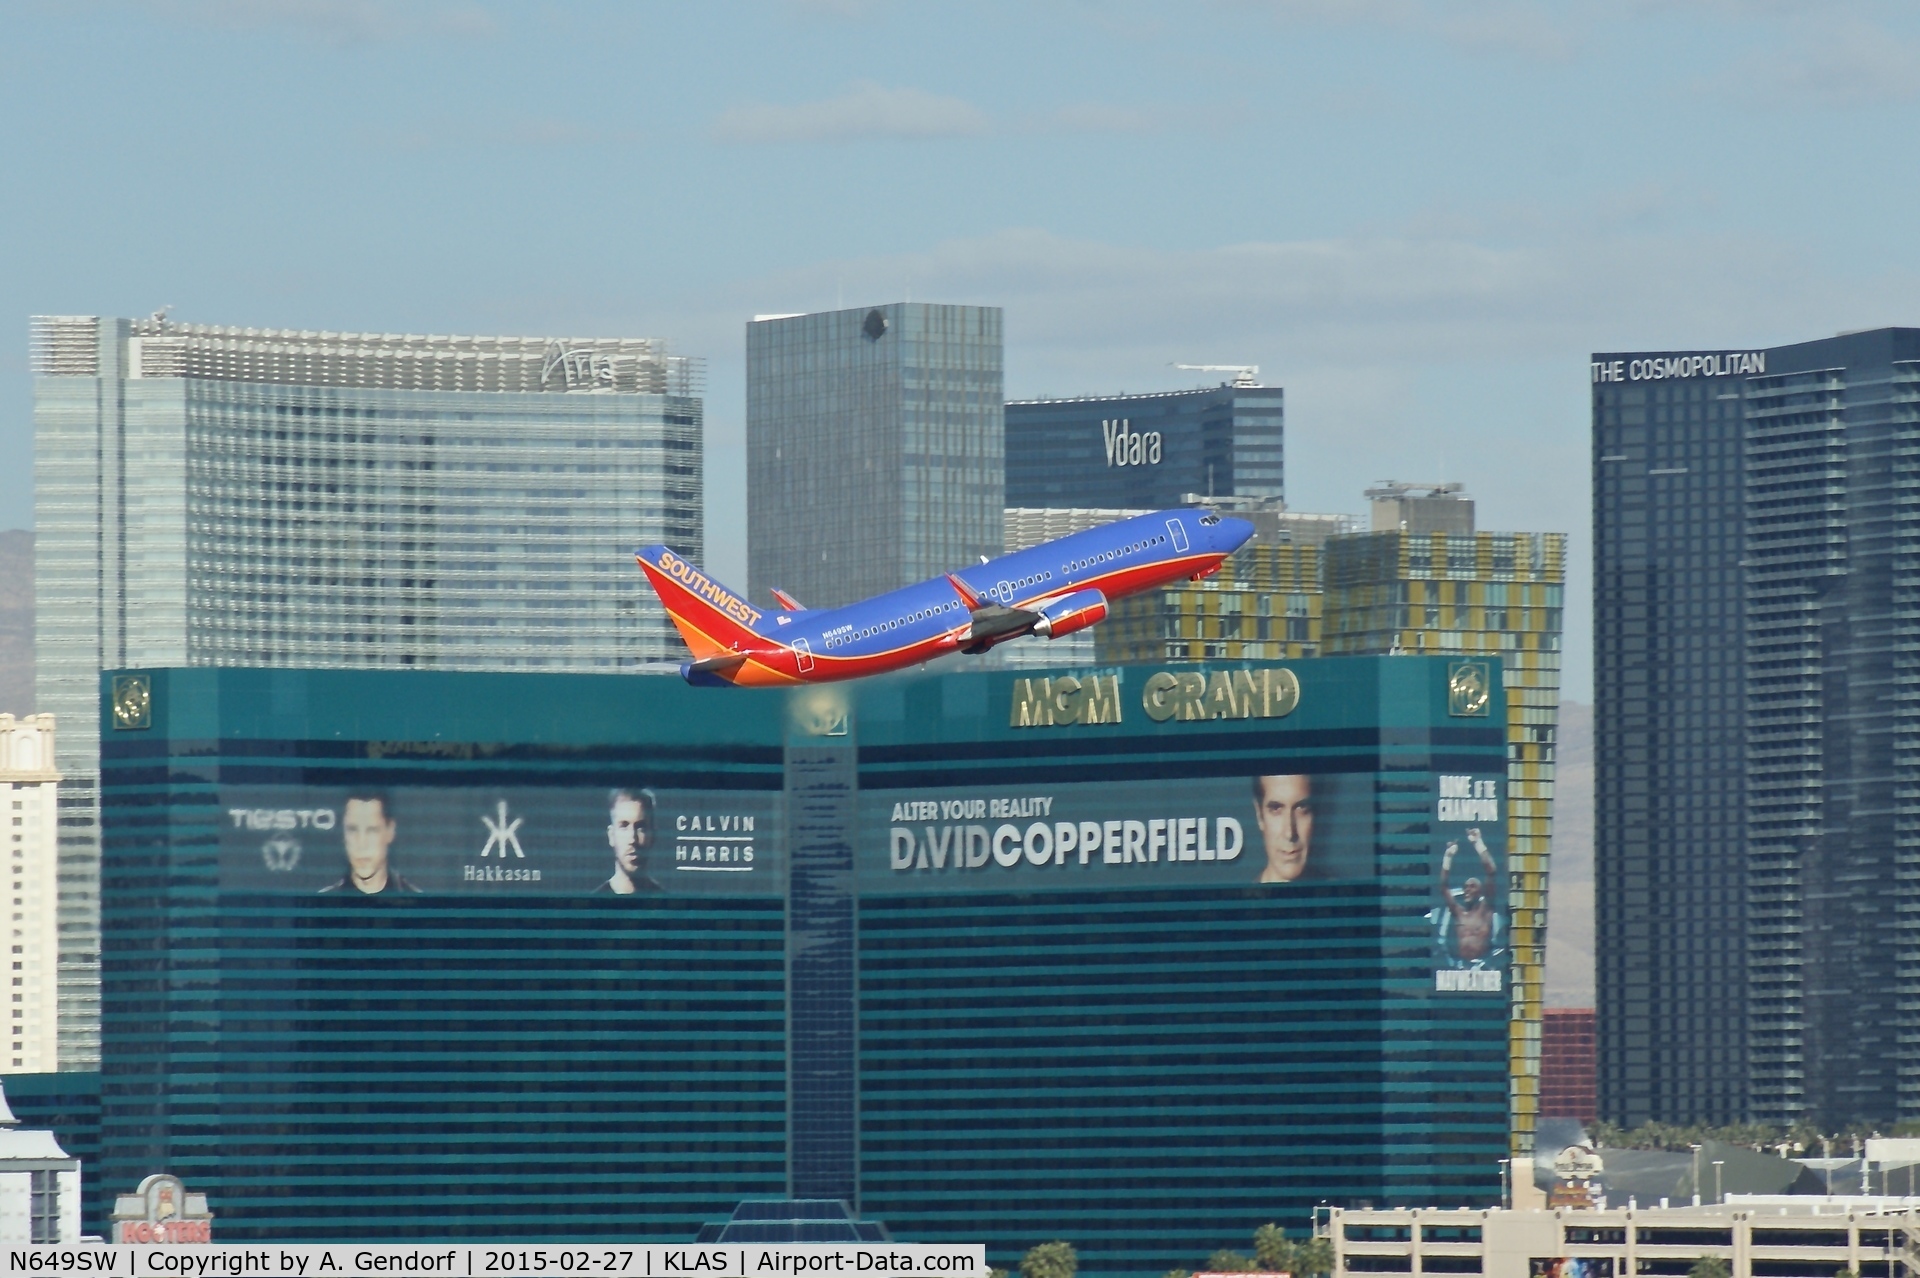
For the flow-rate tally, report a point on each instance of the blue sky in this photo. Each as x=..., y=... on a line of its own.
x=1418, y=217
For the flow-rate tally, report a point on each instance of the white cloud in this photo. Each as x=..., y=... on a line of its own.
x=867, y=110
x=1361, y=301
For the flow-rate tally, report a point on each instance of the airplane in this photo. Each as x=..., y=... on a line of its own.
x=1050, y=590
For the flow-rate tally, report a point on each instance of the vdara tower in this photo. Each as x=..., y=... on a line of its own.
x=210, y=496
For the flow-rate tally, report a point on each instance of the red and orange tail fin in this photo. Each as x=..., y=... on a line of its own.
x=968, y=595
x=712, y=619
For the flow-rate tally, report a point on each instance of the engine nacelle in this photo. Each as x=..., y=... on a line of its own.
x=1069, y=613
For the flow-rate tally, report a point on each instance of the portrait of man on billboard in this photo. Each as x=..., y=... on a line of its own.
x=630, y=833
x=1472, y=930
x=367, y=829
x=1283, y=810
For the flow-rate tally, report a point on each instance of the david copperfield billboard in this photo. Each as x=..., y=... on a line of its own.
x=1280, y=828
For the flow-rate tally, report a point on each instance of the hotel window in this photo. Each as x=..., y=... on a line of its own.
x=44, y=1207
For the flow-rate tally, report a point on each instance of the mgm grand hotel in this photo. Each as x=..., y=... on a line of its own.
x=1138, y=958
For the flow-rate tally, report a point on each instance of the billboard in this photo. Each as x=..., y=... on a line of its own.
x=1570, y=1267
x=625, y=842
x=1281, y=828
x=1469, y=925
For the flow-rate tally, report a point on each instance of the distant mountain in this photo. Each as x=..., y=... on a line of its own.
x=16, y=621
x=1570, y=873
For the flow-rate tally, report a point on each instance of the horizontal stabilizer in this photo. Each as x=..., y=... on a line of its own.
x=719, y=664
x=787, y=601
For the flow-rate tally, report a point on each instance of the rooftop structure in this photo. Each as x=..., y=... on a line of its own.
x=1420, y=508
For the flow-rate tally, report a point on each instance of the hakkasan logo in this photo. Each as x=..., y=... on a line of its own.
x=1183, y=696
x=503, y=840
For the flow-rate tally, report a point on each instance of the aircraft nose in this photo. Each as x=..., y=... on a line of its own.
x=1231, y=534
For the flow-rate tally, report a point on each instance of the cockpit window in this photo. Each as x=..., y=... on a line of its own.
x=1209, y=519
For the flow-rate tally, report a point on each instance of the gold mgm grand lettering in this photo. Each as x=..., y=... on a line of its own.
x=1048, y=703
x=711, y=591
x=1185, y=695
x=1225, y=694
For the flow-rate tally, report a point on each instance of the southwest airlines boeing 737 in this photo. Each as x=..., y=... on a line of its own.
x=1050, y=590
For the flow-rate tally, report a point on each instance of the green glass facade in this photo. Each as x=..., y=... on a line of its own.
x=989, y=955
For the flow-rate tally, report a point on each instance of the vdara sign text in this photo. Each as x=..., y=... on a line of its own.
x=1129, y=447
x=1166, y=695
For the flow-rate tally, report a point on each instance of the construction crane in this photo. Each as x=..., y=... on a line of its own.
x=1243, y=374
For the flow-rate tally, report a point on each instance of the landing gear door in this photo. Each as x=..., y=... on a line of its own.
x=1179, y=533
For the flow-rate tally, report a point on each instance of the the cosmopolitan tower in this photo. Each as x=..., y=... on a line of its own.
x=1757, y=649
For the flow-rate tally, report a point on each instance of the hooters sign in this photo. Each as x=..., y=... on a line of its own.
x=162, y=1211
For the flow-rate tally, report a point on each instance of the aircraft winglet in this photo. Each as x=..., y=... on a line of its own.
x=966, y=592
x=787, y=601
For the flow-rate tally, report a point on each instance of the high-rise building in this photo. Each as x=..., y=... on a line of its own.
x=1566, y=1065
x=921, y=944
x=1147, y=451
x=258, y=497
x=1670, y=913
x=1832, y=575
x=1472, y=593
x=874, y=448
x=29, y=802
x=1757, y=865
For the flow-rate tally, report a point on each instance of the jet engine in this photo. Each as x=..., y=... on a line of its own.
x=1069, y=613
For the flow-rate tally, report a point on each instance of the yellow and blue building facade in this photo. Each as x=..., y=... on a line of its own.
x=1139, y=958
